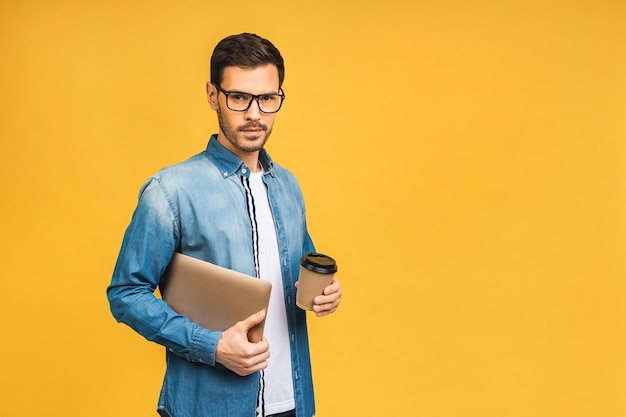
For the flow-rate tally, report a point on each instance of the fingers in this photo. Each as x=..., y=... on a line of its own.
x=253, y=359
x=253, y=320
x=236, y=353
x=241, y=356
x=334, y=286
x=322, y=310
x=329, y=302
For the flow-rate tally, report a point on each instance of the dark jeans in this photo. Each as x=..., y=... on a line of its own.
x=291, y=413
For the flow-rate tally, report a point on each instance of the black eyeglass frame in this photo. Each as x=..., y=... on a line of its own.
x=254, y=97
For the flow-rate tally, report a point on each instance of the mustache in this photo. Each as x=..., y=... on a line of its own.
x=255, y=125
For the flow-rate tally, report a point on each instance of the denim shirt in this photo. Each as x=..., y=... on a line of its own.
x=198, y=208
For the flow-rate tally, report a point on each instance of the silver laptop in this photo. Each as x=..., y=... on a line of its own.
x=212, y=296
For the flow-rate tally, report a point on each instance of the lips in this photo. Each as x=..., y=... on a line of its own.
x=253, y=128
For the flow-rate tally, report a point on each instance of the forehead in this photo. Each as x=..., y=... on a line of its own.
x=263, y=79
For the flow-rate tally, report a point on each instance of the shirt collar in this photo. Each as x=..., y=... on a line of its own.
x=229, y=164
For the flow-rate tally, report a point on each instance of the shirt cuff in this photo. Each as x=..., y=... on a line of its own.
x=204, y=345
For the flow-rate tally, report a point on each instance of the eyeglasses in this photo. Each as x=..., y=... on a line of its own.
x=240, y=101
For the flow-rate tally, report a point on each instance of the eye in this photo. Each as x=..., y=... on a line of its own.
x=268, y=98
x=240, y=97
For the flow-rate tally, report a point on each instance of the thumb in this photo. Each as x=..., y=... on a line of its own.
x=254, y=319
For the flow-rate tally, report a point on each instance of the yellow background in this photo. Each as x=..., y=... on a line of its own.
x=464, y=161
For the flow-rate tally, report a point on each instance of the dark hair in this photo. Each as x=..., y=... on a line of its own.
x=245, y=50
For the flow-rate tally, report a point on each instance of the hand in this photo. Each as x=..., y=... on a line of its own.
x=326, y=304
x=237, y=353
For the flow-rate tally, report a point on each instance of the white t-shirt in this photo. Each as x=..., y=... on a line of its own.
x=279, y=396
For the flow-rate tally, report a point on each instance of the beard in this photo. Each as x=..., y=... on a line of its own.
x=237, y=137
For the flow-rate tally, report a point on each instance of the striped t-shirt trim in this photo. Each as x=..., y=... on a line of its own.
x=260, y=406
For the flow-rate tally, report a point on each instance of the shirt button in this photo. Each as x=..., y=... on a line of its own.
x=243, y=171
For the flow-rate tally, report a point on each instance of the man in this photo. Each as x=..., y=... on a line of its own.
x=233, y=206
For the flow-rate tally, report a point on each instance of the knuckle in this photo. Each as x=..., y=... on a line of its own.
x=247, y=352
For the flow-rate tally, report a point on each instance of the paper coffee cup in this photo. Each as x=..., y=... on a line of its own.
x=316, y=273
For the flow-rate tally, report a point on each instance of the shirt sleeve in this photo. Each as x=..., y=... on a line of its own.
x=148, y=246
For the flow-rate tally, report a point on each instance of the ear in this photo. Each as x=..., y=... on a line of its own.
x=211, y=95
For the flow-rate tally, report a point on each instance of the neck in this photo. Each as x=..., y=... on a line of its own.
x=257, y=167
x=251, y=161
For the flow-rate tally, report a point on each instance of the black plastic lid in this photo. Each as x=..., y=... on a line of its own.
x=319, y=263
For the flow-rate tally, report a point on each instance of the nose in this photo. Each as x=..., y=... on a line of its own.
x=254, y=110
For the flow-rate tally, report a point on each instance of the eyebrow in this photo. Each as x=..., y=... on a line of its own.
x=246, y=92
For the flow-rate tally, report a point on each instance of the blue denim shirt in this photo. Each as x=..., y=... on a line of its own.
x=198, y=208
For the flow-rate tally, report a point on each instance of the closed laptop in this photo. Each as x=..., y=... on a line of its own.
x=212, y=296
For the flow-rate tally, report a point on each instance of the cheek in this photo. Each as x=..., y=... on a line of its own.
x=229, y=118
x=269, y=120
